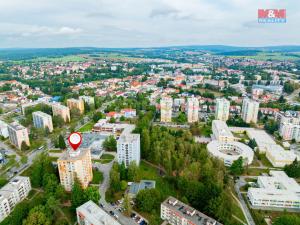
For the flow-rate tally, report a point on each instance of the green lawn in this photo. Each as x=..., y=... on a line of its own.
x=87, y=127
x=237, y=211
x=97, y=177
x=3, y=181
x=256, y=171
x=265, y=161
x=55, y=151
x=106, y=158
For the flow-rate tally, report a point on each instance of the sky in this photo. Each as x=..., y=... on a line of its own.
x=144, y=23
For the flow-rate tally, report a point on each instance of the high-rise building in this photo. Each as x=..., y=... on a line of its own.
x=73, y=103
x=250, y=110
x=90, y=100
x=222, y=109
x=62, y=111
x=289, y=131
x=42, y=120
x=18, y=134
x=166, y=105
x=192, y=110
x=128, y=148
x=177, y=213
x=12, y=193
x=75, y=164
x=91, y=214
x=3, y=129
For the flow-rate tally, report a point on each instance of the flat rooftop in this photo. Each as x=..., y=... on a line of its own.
x=16, y=126
x=188, y=212
x=222, y=128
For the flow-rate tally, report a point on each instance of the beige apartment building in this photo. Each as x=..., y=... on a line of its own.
x=73, y=103
x=62, y=111
x=42, y=120
x=192, y=110
x=17, y=134
x=166, y=105
x=75, y=164
x=222, y=109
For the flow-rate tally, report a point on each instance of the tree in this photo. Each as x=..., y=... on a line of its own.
x=127, y=205
x=252, y=143
x=133, y=172
x=77, y=195
x=148, y=200
x=237, y=167
x=145, y=143
x=115, y=183
x=38, y=216
x=288, y=87
x=287, y=220
x=293, y=170
x=92, y=193
x=97, y=116
x=61, y=142
x=58, y=121
x=24, y=146
x=110, y=143
x=271, y=126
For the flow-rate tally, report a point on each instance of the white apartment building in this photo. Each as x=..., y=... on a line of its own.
x=177, y=213
x=128, y=149
x=221, y=131
x=18, y=134
x=75, y=164
x=62, y=111
x=250, y=110
x=91, y=214
x=12, y=193
x=42, y=120
x=222, y=109
x=289, y=128
x=90, y=100
x=279, y=157
x=166, y=104
x=192, y=110
x=3, y=129
x=275, y=191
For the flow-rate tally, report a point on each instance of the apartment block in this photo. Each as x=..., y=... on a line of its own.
x=90, y=100
x=3, y=129
x=177, y=213
x=12, y=193
x=91, y=214
x=128, y=148
x=73, y=103
x=275, y=191
x=250, y=110
x=192, y=110
x=75, y=164
x=42, y=120
x=166, y=105
x=62, y=111
x=222, y=109
x=18, y=134
x=221, y=131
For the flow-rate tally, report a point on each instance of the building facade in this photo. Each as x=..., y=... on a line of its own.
x=128, y=149
x=62, y=111
x=3, y=129
x=222, y=109
x=177, y=213
x=18, y=134
x=166, y=105
x=91, y=214
x=75, y=165
x=250, y=110
x=90, y=100
x=76, y=104
x=221, y=131
x=12, y=193
x=275, y=191
x=42, y=120
x=192, y=110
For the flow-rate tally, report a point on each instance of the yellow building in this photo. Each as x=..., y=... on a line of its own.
x=73, y=103
x=62, y=111
x=75, y=164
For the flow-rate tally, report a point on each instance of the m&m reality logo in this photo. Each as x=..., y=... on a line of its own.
x=272, y=16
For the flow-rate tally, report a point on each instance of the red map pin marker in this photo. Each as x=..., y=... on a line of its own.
x=75, y=140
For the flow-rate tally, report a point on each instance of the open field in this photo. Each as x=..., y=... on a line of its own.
x=87, y=127
x=271, y=56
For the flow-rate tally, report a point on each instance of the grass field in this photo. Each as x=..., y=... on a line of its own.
x=87, y=127
x=97, y=177
x=106, y=158
x=272, y=56
x=55, y=151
